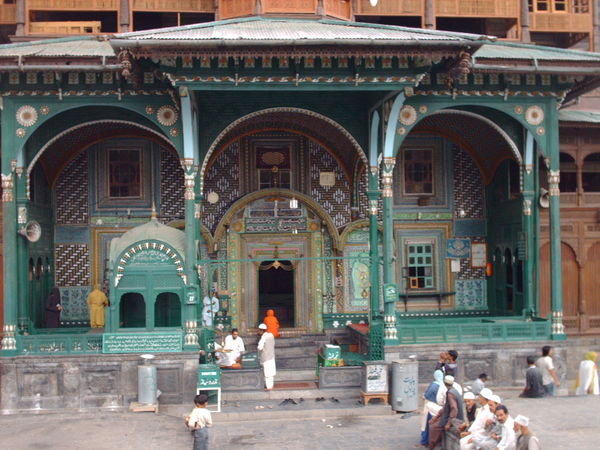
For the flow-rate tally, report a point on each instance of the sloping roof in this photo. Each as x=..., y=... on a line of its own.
x=510, y=56
x=589, y=117
x=258, y=30
x=81, y=46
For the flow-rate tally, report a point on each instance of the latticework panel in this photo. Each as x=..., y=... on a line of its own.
x=171, y=187
x=334, y=199
x=72, y=265
x=223, y=177
x=72, y=192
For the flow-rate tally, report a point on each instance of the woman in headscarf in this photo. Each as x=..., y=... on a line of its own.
x=432, y=405
x=272, y=323
x=53, y=308
x=587, y=380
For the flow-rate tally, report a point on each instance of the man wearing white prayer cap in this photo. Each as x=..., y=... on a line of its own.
x=483, y=415
x=525, y=439
x=266, y=347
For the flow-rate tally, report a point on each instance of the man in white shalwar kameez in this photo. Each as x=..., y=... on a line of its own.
x=266, y=347
x=482, y=417
x=230, y=354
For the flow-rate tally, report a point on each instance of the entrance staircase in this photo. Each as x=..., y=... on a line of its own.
x=296, y=393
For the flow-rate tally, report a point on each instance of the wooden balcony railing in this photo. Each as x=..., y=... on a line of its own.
x=65, y=28
x=236, y=8
x=7, y=13
x=174, y=5
x=342, y=9
x=79, y=5
x=391, y=8
x=477, y=8
x=561, y=22
x=289, y=6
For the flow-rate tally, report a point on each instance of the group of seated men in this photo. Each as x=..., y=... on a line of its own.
x=492, y=427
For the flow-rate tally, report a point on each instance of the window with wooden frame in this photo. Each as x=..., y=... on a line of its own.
x=124, y=173
x=418, y=171
x=273, y=164
x=558, y=6
x=419, y=266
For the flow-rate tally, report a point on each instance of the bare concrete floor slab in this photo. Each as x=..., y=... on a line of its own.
x=560, y=422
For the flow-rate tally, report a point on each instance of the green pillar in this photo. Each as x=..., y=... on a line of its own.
x=190, y=167
x=9, y=218
x=529, y=204
x=373, y=195
x=22, y=257
x=558, y=329
x=390, y=331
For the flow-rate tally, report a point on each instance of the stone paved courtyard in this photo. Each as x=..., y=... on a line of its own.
x=561, y=423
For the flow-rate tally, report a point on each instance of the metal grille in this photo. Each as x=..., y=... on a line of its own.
x=72, y=192
x=171, y=187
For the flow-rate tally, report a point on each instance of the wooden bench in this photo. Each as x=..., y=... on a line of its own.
x=367, y=397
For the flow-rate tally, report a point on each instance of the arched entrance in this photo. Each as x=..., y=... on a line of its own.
x=276, y=291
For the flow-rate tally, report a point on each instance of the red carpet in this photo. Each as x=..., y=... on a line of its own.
x=295, y=385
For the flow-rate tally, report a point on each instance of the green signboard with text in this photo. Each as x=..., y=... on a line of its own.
x=390, y=293
x=141, y=342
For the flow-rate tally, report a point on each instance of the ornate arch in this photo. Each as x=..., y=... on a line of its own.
x=308, y=201
x=91, y=123
x=168, y=253
x=357, y=225
x=217, y=141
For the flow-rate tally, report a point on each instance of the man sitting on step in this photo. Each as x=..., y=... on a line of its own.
x=230, y=355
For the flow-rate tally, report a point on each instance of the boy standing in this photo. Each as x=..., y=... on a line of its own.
x=198, y=421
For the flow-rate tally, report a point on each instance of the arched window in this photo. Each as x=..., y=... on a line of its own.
x=40, y=269
x=514, y=179
x=568, y=173
x=31, y=271
x=591, y=173
x=167, y=310
x=132, y=311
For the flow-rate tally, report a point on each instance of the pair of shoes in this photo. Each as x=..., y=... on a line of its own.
x=334, y=400
x=320, y=399
x=288, y=400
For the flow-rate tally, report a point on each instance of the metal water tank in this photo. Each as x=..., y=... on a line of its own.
x=147, y=382
x=405, y=385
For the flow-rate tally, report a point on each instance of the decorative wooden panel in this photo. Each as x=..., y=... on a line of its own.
x=289, y=6
x=570, y=275
x=591, y=288
x=174, y=5
x=561, y=22
x=236, y=8
x=341, y=9
x=477, y=8
x=82, y=5
x=7, y=13
x=391, y=8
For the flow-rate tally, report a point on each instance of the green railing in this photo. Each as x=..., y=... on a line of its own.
x=430, y=331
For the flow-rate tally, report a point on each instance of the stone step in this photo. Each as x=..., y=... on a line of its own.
x=296, y=375
x=308, y=394
x=330, y=413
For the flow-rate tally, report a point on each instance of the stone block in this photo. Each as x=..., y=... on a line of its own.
x=40, y=386
x=170, y=382
x=100, y=385
x=242, y=379
x=339, y=377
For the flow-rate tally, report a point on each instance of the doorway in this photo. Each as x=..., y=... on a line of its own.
x=276, y=291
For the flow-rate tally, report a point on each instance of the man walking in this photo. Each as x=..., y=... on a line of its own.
x=266, y=347
x=546, y=366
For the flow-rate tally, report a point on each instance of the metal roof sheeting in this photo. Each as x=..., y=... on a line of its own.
x=524, y=52
x=579, y=116
x=66, y=47
x=262, y=29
